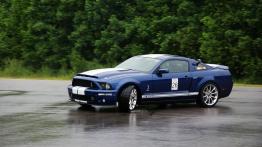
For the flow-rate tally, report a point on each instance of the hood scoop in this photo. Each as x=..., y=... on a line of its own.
x=99, y=73
x=120, y=69
x=83, y=75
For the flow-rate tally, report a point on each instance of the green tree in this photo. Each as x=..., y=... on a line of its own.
x=82, y=34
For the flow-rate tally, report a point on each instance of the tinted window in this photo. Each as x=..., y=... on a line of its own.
x=175, y=65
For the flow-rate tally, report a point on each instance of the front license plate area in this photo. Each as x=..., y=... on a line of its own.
x=80, y=101
x=81, y=98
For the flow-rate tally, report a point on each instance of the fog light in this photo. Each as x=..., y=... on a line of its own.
x=104, y=94
x=103, y=100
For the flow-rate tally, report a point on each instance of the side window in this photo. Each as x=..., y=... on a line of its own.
x=175, y=65
x=201, y=66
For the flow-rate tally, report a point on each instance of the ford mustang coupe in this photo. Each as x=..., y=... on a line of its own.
x=152, y=78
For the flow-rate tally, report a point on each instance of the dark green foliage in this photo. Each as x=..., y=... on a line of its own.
x=77, y=35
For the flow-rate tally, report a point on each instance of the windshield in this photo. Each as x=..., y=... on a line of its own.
x=143, y=64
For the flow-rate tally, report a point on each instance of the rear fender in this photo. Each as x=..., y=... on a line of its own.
x=203, y=81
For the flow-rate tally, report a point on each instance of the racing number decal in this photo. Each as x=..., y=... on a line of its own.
x=174, y=84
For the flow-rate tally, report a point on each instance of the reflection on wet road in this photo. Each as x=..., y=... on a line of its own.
x=37, y=113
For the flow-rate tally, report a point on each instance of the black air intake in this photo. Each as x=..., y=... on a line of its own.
x=84, y=83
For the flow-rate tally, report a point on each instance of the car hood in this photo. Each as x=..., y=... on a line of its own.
x=108, y=73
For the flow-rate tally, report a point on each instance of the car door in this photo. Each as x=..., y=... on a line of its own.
x=176, y=81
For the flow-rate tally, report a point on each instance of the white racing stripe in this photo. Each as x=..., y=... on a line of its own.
x=98, y=71
x=74, y=90
x=153, y=55
x=79, y=90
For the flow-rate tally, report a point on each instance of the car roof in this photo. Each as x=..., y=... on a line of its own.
x=164, y=56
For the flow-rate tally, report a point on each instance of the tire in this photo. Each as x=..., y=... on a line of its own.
x=208, y=96
x=161, y=106
x=128, y=99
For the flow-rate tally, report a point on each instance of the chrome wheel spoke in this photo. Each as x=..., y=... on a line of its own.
x=210, y=88
x=209, y=100
x=132, y=99
x=206, y=100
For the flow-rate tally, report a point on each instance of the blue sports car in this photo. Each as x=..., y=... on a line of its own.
x=152, y=78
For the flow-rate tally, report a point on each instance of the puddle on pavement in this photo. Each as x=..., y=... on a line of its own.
x=29, y=127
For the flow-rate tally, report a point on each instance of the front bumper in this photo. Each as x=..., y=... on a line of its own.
x=83, y=95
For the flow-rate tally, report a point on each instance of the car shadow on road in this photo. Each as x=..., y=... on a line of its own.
x=185, y=107
x=94, y=119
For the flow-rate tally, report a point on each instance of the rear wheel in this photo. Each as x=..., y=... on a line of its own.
x=208, y=95
x=128, y=99
x=162, y=106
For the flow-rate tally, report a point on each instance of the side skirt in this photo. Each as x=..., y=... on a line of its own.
x=187, y=99
x=169, y=95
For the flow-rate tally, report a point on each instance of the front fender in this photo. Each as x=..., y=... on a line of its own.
x=127, y=81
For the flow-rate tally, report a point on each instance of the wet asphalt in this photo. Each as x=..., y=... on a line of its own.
x=38, y=113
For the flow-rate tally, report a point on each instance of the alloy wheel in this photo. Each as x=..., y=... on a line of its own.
x=210, y=94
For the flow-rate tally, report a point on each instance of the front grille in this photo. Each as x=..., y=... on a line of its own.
x=84, y=83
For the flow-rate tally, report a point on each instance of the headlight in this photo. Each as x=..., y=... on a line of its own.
x=105, y=86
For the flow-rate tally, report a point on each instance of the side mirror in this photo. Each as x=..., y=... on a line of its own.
x=162, y=71
x=199, y=61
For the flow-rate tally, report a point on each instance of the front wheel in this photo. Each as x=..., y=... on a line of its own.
x=208, y=96
x=128, y=99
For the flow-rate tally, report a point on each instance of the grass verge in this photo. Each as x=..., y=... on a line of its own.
x=247, y=85
x=16, y=69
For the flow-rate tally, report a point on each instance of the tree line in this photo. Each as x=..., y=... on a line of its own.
x=78, y=35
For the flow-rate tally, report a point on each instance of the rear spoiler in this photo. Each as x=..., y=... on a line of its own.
x=219, y=66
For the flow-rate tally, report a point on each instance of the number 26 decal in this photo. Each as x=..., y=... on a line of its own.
x=174, y=84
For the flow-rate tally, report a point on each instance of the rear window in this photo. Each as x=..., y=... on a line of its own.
x=175, y=66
